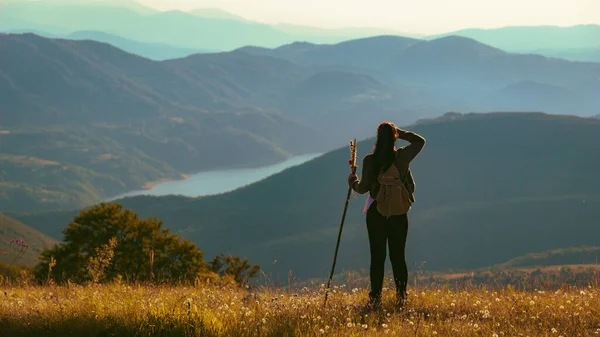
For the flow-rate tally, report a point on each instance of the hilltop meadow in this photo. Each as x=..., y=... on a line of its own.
x=101, y=98
x=527, y=296
x=213, y=310
x=83, y=287
x=502, y=239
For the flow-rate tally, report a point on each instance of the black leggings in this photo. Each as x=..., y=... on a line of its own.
x=392, y=231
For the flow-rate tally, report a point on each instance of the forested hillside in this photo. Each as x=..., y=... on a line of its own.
x=490, y=187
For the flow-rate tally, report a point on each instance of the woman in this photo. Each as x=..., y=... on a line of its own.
x=381, y=229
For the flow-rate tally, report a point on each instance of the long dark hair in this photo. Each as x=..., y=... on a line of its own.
x=384, y=153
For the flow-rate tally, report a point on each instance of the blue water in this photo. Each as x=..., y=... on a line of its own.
x=215, y=182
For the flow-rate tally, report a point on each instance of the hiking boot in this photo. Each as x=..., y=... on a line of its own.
x=400, y=300
x=372, y=305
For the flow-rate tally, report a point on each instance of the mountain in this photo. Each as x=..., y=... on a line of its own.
x=575, y=43
x=133, y=21
x=336, y=35
x=490, y=188
x=533, y=96
x=10, y=252
x=128, y=4
x=15, y=26
x=522, y=38
x=86, y=73
x=589, y=54
x=451, y=63
x=303, y=33
x=111, y=121
x=99, y=122
x=364, y=53
x=455, y=72
x=177, y=28
x=216, y=13
x=557, y=257
x=154, y=51
x=352, y=101
x=464, y=67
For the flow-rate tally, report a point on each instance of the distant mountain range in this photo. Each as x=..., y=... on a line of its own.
x=490, y=188
x=576, y=43
x=465, y=72
x=590, y=54
x=154, y=51
x=111, y=121
x=196, y=30
x=89, y=121
x=525, y=38
x=215, y=13
x=371, y=53
x=201, y=29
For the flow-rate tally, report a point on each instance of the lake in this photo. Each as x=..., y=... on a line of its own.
x=215, y=182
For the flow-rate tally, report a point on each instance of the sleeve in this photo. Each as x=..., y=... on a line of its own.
x=416, y=144
x=363, y=185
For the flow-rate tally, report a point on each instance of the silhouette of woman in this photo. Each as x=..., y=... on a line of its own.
x=381, y=230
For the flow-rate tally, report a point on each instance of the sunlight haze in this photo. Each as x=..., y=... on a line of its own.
x=423, y=17
x=179, y=167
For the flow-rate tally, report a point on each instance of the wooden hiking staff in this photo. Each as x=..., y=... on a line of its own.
x=353, y=168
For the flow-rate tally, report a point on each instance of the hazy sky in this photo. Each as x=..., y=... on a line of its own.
x=416, y=16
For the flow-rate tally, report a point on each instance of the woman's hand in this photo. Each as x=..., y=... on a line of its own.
x=400, y=133
x=352, y=178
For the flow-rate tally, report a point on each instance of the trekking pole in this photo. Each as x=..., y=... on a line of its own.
x=353, y=167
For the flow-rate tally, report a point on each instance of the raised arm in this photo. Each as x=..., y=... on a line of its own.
x=363, y=185
x=416, y=143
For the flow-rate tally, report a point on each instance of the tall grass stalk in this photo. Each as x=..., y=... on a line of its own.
x=215, y=310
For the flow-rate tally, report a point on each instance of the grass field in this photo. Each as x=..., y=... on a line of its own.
x=123, y=310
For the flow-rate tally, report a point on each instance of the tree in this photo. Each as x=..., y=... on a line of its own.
x=240, y=270
x=142, y=249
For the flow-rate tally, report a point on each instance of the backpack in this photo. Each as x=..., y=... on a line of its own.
x=393, y=198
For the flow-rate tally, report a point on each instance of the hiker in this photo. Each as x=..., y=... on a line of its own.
x=387, y=177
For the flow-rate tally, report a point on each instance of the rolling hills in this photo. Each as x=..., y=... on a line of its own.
x=119, y=121
x=153, y=51
x=490, y=188
x=363, y=53
x=195, y=29
x=129, y=20
x=522, y=39
x=177, y=28
x=467, y=67
x=149, y=32
x=589, y=54
x=574, y=43
x=457, y=71
x=113, y=116
x=557, y=257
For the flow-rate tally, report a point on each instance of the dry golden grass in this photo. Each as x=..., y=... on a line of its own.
x=122, y=310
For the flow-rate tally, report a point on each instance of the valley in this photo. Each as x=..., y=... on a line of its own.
x=113, y=122
x=233, y=134
x=216, y=182
x=486, y=183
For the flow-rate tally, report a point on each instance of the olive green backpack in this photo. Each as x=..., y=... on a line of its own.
x=393, y=198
